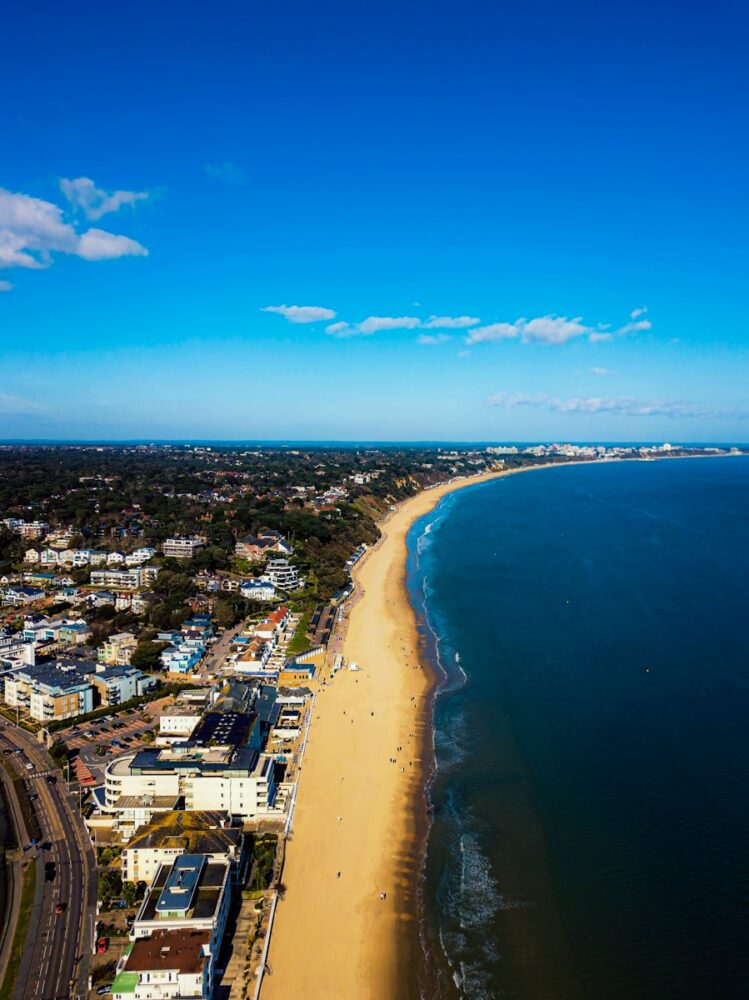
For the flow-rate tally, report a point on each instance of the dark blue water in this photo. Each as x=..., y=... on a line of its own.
x=590, y=834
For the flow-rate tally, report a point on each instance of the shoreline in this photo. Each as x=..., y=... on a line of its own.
x=363, y=798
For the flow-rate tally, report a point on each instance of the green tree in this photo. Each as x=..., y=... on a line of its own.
x=147, y=654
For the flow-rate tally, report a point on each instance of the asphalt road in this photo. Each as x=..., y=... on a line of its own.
x=57, y=950
x=217, y=654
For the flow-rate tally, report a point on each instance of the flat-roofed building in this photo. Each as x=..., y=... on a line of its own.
x=177, y=721
x=166, y=965
x=171, y=834
x=239, y=781
x=117, y=649
x=116, y=685
x=118, y=579
x=192, y=893
x=50, y=691
x=182, y=548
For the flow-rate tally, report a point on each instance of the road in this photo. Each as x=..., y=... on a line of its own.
x=57, y=946
x=217, y=654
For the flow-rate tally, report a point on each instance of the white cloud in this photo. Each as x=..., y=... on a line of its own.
x=626, y=405
x=432, y=339
x=301, y=314
x=94, y=202
x=602, y=371
x=96, y=244
x=494, y=331
x=634, y=327
x=32, y=230
x=450, y=322
x=10, y=405
x=5, y=286
x=636, y=313
x=374, y=324
x=543, y=329
x=554, y=330
x=226, y=171
x=340, y=330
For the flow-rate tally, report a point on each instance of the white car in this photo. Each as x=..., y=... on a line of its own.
x=29, y=766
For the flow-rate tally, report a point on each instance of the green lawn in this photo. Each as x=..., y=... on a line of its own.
x=300, y=642
x=19, y=937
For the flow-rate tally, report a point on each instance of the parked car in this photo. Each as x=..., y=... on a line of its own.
x=101, y=990
x=102, y=945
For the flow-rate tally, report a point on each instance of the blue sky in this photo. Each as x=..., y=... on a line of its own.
x=498, y=221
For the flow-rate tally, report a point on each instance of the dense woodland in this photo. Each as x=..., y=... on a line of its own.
x=123, y=497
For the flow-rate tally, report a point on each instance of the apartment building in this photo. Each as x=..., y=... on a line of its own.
x=164, y=966
x=117, y=649
x=124, y=579
x=50, y=691
x=237, y=780
x=182, y=547
x=178, y=721
x=117, y=684
x=33, y=529
x=283, y=575
x=170, y=834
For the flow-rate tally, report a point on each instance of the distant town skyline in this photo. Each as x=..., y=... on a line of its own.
x=383, y=224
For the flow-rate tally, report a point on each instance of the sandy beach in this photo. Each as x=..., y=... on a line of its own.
x=360, y=799
x=360, y=796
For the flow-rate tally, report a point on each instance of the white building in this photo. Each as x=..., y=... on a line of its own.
x=124, y=579
x=182, y=548
x=258, y=590
x=191, y=894
x=240, y=782
x=283, y=575
x=171, y=834
x=166, y=965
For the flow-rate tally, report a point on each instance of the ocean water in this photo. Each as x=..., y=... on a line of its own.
x=590, y=804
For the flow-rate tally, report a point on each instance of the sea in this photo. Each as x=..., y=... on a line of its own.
x=589, y=805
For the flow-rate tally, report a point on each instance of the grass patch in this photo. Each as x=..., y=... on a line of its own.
x=263, y=861
x=300, y=642
x=19, y=937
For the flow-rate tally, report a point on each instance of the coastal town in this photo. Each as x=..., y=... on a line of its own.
x=175, y=620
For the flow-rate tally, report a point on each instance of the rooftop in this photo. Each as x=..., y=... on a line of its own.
x=189, y=889
x=223, y=729
x=194, y=832
x=183, y=950
x=181, y=884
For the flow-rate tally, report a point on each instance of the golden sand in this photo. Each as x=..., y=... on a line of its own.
x=357, y=811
